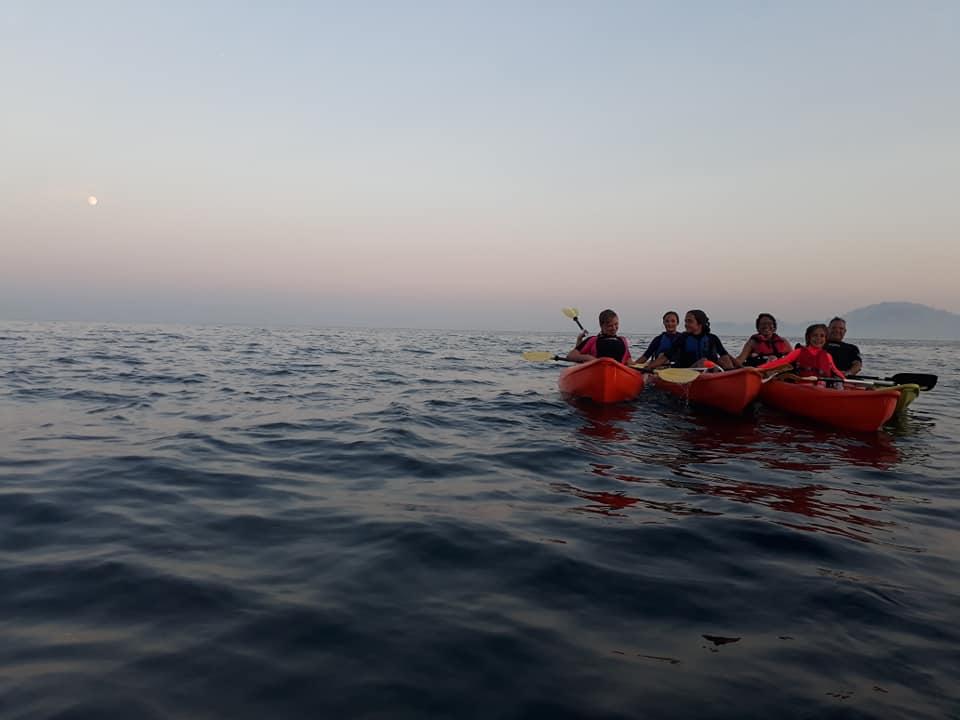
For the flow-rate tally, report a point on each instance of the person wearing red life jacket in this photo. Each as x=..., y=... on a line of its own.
x=764, y=346
x=606, y=344
x=812, y=359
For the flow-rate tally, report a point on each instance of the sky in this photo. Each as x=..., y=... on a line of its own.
x=475, y=164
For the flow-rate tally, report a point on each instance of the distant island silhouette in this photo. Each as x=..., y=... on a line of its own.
x=901, y=320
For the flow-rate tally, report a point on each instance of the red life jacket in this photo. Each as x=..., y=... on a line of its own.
x=775, y=347
x=813, y=362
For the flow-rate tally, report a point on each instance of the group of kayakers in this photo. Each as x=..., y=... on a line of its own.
x=824, y=354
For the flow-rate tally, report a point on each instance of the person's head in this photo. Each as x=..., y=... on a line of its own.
x=670, y=321
x=696, y=322
x=816, y=335
x=609, y=322
x=837, y=329
x=766, y=324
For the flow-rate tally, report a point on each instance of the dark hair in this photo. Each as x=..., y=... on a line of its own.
x=761, y=316
x=837, y=318
x=701, y=317
x=809, y=332
x=671, y=312
x=607, y=315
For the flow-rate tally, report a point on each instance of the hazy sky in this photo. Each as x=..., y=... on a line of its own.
x=476, y=164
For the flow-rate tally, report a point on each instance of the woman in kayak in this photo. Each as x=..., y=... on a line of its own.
x=695, y=346
x=665, y=340
x=765, y=345
x=606, y=344
x=811, y=360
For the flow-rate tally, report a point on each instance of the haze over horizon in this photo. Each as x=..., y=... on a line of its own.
x=478, y=167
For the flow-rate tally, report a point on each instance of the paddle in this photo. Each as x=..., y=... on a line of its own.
x=680, y=376
x=574, y=314
x=924, y=380
x=868, y=383
x=534, y=356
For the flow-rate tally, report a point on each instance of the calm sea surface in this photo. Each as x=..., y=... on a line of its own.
x=223, y=522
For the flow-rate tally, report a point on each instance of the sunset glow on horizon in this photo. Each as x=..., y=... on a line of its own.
x=423, y=163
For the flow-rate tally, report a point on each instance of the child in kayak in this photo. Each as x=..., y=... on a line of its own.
x=665, y=340
x=765, y=345
x=812, y=359
x=606, y=344
x=696, y=346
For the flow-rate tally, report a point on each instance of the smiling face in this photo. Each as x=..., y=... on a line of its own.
x=670, y=322
x=817, y=338
x=610, y=326
x=691, y=325
x=766, y=327
x=837, y=331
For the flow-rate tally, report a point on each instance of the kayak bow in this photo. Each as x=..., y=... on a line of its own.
x=729, y=391
x=603, y=380
x=857, y=409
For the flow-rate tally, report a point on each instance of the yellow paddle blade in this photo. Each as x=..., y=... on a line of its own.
x=571, y=312
x=678, y=375
x=535, y=356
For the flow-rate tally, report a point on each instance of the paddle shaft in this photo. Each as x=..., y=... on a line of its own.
x=926, y=381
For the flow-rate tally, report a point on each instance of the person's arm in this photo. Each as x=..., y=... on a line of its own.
x=651, y=351
x=576, y=355
x=745, y=353
x=626, y=354
x=723, y=357
x=785, y=360
x=857, y=363
x=658, y=361
x=834, y=369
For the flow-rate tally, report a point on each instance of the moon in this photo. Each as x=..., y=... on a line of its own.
x=92, y=200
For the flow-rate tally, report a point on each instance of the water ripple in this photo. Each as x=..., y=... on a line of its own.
x=258, y=522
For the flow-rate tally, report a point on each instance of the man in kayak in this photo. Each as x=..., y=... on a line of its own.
x=844, y=354
x=606, y=344
x=765, y=345
x=665, y=340
x=813, y=360
x=695, y=346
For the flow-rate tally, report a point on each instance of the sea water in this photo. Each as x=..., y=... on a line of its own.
x=227, y=522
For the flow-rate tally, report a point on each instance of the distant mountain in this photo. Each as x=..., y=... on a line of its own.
x=900, y=320
x=908, y=321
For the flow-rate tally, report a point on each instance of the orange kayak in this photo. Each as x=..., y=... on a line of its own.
x=729, y=391
x=603, y=380
x=858, y=409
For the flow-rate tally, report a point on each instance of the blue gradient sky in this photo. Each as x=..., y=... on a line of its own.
x=457, y=164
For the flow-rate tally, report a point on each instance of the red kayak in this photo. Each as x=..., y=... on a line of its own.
x=603, y=380
x=729, y=391
x=858, y=409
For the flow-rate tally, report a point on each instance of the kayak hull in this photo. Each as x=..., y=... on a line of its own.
x=908, y=393
x=603, y=380
x=857, y=409
x=729, y=391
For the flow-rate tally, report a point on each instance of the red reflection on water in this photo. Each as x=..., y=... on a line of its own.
x=723, y=441
x=789, y=446
x=812, y=501
x=605, y=421
x=612, y=503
